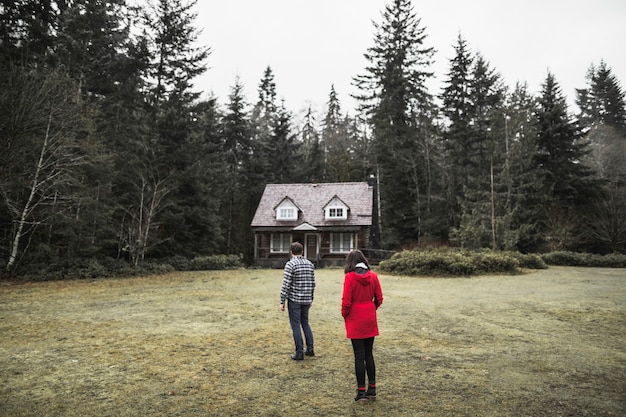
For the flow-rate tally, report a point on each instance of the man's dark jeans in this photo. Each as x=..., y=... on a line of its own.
x=299, y=318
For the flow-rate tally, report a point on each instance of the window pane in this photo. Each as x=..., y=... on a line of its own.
x=280, y=242
x=340, y=242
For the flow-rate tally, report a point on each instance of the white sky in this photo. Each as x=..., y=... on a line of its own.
x=311, y=45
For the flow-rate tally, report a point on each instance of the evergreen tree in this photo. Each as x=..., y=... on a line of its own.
x=390, y=91
x=264, y=114
x=523, y=186
x=603, y=118
x=237, y=151
x=312, y=150
x=560, y=149
x=457, y=109
x=166, y=181
x=603, y=100
x=27, y=30
x=90, y=44
x=336, y=142
x=285, y=163
x=567, y=183
x=484, y=160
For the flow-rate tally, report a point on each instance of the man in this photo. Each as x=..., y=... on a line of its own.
x=297, y=289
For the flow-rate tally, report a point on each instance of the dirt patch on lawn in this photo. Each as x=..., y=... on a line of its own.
x=545, y=343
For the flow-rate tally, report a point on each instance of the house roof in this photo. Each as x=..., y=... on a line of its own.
x=311, y=200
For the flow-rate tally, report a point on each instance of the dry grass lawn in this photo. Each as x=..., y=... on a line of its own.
x=545, y=343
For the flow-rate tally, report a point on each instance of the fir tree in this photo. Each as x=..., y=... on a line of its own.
x=457, y=109
x=312, y=150
x=237, y=152
x=390, y=91
x=336, y=141
x=567, y=182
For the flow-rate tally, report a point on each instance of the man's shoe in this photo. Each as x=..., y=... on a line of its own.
x=297, y=356
x=309, y=353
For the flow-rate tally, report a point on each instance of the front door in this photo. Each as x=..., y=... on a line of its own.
x=310, y=250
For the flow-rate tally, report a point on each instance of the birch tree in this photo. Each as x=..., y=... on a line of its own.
x=39, y=137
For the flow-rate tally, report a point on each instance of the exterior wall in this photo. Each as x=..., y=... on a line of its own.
x=264, y=258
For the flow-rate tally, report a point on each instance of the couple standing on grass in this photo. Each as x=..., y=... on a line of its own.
x=362, y=295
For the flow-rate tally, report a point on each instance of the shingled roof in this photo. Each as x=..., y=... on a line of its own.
x=311, y=200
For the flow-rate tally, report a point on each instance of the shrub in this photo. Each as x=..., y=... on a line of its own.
x=566, y=258
x=494, y=262
x=529, y=260
x=457, y=262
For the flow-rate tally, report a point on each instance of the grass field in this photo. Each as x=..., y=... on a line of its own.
x=545, y=343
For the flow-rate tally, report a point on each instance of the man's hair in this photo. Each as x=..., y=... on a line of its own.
x=296, y=248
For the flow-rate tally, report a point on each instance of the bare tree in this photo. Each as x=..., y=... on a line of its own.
x=140, y=220
x=41, y=154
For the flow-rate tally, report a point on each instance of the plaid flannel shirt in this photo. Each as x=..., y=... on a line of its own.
x=298, y=281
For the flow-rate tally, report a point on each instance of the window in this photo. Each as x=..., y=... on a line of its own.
x=286, y=213
x=280, y=243
x=336, y=210
x=340, y=242
x=286, y=210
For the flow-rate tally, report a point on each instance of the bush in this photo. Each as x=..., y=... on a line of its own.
x=566, y=258
x=458, y=263
x=529, y=261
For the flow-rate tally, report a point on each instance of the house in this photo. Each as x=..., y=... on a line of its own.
x=329, y=219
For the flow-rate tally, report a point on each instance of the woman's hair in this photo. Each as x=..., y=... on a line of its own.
x=354, y=258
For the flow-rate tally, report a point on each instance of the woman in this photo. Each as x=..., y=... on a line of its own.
x=361, y=298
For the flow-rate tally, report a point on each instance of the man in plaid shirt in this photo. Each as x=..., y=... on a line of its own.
x=298, y=287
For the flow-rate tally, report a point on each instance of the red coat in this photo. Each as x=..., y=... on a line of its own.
x=357, y=304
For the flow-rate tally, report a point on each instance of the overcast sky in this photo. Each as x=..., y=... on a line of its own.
x=311, y=45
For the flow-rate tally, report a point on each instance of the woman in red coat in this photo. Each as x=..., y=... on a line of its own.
x=361, y=298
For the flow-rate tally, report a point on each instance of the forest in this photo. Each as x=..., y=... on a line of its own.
x=109, y=154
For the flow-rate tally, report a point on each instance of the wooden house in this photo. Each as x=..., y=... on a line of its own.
x=329, y=219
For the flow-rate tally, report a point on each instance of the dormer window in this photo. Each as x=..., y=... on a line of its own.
x=336, y=210
x=286, y=211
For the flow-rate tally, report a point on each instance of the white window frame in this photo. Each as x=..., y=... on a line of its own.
x=330, y=211
x=284, y=243
x=286, y=211
x=342, y=239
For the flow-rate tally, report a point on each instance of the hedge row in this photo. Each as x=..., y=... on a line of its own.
x=450, y=262
x=110, y=268
x=564, y=258
x=458, y=263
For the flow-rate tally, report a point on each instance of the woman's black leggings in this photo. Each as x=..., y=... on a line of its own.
x=364, y=360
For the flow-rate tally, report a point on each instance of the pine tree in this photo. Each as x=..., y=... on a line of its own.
x=237, y=207
x=523, y=186
x=312, y=150
x=263, y=118
x=286, y=161
x=457, y=109
x=163, y=185
x=603, y=100
x=90, y=44
x=27, y=32
x=483, y=158
x=603, y=116
x=560, y=149
x=567, y=182
x=336, y=141
x=390, y=91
